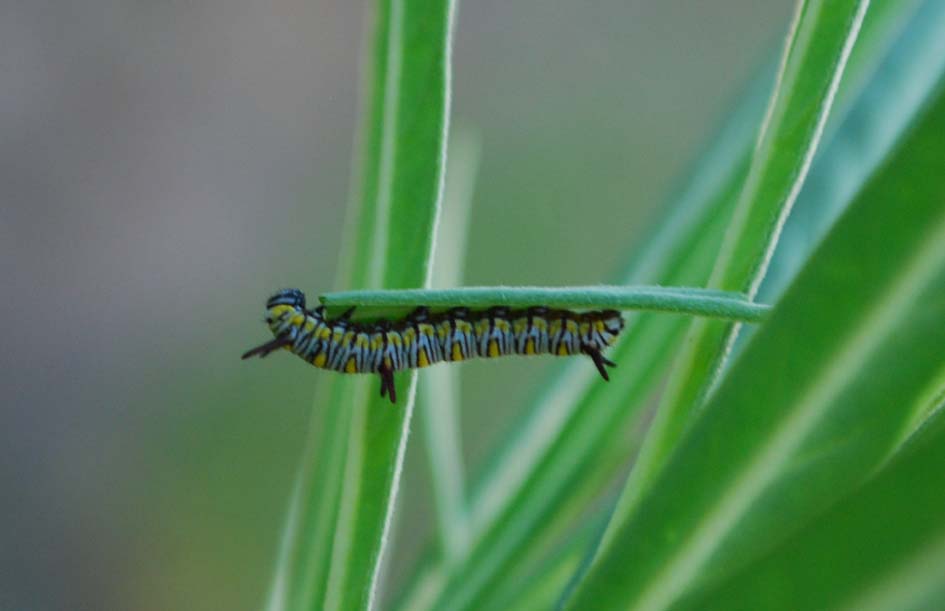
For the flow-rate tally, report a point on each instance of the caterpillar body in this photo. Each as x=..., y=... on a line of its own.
x=422, y=339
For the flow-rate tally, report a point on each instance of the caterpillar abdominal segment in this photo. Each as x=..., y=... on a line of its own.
x=422, y=339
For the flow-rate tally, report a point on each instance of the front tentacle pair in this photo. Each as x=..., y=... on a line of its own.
x=280, y=342
x=286, y=339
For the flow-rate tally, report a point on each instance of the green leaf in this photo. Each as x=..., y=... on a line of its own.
x=678, y=300
x=897, y=90
x=813, y=407
x=573, y=439
x=542, y=587
x=438, y=394
x=891, y=88
x=815, y=55
x=341, y=507
x=881, y=548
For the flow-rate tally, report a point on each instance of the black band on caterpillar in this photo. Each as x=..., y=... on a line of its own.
x=421, y=339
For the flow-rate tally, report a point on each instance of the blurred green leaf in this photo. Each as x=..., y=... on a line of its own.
x=341, y=508
x=541, y=589
x=438, y=397
x=894, y=91
x=815, y=55
x=881, y=548
x=815, y=404
x=578, y=436
x=891, y=88
x=572, y=441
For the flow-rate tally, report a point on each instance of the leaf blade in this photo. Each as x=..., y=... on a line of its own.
x=825, y=364
x=891, y=87
x=679, y=300
x=439, y=391
x=530, y=452
x=538, y=450
x=816, y=52
x=885, y=545
x=340, y=513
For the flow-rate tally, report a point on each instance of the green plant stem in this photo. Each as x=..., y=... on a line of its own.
x=678, y=300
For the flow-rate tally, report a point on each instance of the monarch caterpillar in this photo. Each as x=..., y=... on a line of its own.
x=422, y=339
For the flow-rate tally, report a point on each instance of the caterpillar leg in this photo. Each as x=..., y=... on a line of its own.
x=498, y=312
x=268, y=347
x=419, y=314
x=346, y=315
x=599, y=360
x=387, y=383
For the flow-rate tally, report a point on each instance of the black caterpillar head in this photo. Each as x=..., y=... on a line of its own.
x=282, y=308
x=289, y=297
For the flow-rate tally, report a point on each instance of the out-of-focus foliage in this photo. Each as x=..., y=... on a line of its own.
x=168, y=166
x=881, y=548
x=554, y=466
x=816, y=403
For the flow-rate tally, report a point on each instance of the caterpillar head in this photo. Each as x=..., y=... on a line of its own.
x=283, y=307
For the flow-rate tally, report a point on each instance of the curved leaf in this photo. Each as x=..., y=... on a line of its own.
x=893, y=93
x=815, y=56
x=573, y=439
x=344, y=496
x=438, y=395
x=882, y=548
x=816, y=403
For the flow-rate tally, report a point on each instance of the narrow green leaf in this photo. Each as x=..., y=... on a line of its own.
x=507, y=513
x=539, y=452
x=932, y=415
x=891, y=88
x=815, y=55
x=678, y=300
x=542, y=587
x=882, y=548
x=438, y=396
x=572, y=441
x=927, y=404
x=898, y=88
x=814, y=405
x=341, y=507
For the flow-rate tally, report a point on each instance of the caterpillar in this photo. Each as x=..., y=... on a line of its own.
x=422, y=339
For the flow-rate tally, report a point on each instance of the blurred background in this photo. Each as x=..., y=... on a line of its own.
x=165, y=165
